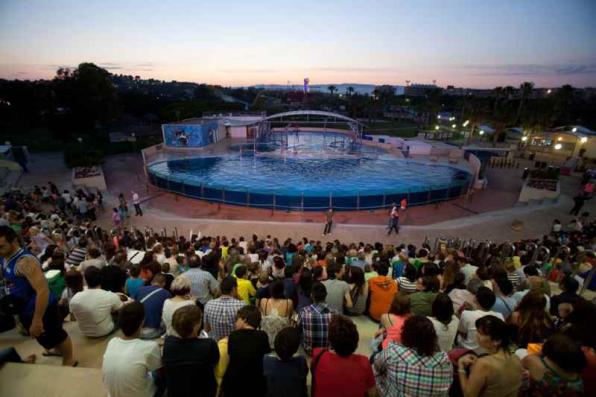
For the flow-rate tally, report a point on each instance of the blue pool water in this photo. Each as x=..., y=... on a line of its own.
x=310, y=173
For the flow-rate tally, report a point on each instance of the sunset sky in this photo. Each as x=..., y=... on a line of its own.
x=470, y=43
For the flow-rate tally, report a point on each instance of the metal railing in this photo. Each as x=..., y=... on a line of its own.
x=302, y=202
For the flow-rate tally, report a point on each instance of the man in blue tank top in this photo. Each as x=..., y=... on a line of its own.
x=24, y=291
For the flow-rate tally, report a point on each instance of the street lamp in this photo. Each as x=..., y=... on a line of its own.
x=453, y=125
x=481, y=132
x=558, y=146
x=574, y=129
x=524, y=138
x=466, y=123
x=436, y=127
x=583, y=139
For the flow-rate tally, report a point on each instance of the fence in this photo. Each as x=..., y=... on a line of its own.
x=302, y=202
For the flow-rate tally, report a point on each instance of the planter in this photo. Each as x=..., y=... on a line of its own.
x=89, y=177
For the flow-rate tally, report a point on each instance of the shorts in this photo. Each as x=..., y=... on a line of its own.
x=53, y=334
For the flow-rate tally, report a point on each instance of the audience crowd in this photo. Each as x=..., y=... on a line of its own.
x=212, y=315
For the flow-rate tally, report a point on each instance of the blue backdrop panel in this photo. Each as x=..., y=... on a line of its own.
x=198, y=135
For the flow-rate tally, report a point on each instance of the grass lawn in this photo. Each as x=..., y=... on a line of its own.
x=392, y=128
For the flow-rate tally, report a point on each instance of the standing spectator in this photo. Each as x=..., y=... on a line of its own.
x=329, y=221
x=116, y=219
x=285, y=373
x=189, y=361
x=136, y=201
x=129, y=361
x=394, y=220
x=338, y=291
x=24, y=282
x=122, y=206
x=416, y=366
x=93, y=308
x=203, y=285
x=314, y=320
x=330, y=367
x=499, y=372
x=247, y=346
x=382, y=289
x=485, y=299
x=220, y=313
x=153, y=297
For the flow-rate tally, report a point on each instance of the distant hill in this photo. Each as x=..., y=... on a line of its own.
x=341, y=88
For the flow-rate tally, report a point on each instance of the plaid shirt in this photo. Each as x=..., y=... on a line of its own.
x=400, y=371
x=220, y=314
x=314, y=320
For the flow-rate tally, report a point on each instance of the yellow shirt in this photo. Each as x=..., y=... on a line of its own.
x=245, y=290
x=224, y=359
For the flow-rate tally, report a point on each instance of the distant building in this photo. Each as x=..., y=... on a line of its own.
x=419, y=90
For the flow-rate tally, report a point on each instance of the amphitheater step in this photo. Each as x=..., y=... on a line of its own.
x=37, y=380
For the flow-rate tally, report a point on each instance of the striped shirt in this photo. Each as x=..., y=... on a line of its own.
x=406, y=286
x=400, y=371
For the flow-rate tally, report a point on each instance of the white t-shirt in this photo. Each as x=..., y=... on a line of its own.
x=467, y=325
x=93, y=310
x=445, y=333
x=169, y=308
x=127, y=366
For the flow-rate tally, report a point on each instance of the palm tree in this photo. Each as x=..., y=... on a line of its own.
x=332, y=89
x=498, y=91
x=525, y=90
x=350, y=90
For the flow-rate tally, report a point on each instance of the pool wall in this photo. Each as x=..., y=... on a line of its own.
x=309, y=203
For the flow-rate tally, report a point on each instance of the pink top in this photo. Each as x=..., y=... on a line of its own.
x=394, y=331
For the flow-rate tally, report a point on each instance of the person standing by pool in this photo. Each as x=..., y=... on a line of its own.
x=394, y=219
x=329, y=216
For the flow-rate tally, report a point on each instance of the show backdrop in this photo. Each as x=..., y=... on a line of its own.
x=198, y=135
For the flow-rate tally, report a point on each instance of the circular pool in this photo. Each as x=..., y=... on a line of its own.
x=309, y=176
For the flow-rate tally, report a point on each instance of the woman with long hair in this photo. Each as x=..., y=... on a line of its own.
x=276, y=311
x=393, y=322
x=497, y=374
x=444, y=321
x=534, y=324
x=358, y=290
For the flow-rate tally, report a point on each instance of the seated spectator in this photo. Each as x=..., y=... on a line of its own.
x=330, y=367
x=459, y=294
x=569, y=287
x=557, y=370
x=246, y=290
x=338, y=291
x=93, y=258
x=93, y=308
x=153, y=297
x=180, y=290
x=499, y=372
x=392, y=323
x=314, y=320
x=77, y=255
x=381, y=289
x=134, y=281
x=74, y=285
x=276, y=311
x=247, y=346
x=504, y=303
x=220, y=313
x=113, y=278
x=303, y=289
x=188, y=360
x=444, y=321
x=407, y=283
x=358, y=291
x=129, y=361
x=285, y=373
x=485, y=299
x=533, y=322
x=469, y=271
x=422, y=301
x=416, y=366
x=204, y=286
